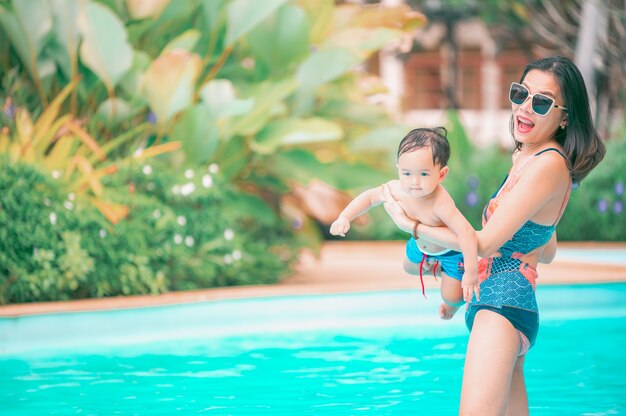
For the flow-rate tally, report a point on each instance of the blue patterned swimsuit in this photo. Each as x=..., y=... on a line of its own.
x=508, y=283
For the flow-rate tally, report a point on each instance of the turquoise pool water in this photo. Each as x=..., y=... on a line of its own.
x=373, y=354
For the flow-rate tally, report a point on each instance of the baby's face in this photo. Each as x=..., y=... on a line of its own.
x=419, y=175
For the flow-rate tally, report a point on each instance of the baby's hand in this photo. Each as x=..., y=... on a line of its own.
x=470, y=286
x=340, y=226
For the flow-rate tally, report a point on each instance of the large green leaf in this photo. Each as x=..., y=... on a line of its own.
x=67, y=34
x=144, y=9
x=349, y=176
x=300, y=165
x=234, y=157
x=211, y=10
x=325, y=65
x=169, y=83
x=198, y=133
x=380, y=138
x=131, y=82
x=105, y=48
x=27, y=29
x=364, y=41
x=244, y=15
x=248, y=205
x=219, y=97
x=114, y=110
x=267, y=98
x=281, y=39
x=353, y=111
x=186, y=41
x=295, y=131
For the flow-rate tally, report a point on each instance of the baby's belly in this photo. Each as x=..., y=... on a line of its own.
x=428, y=247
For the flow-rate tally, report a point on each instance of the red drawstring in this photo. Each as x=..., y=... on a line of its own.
x=424, y=258
x=422, y=277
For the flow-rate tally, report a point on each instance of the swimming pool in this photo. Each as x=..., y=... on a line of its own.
x=383, y=353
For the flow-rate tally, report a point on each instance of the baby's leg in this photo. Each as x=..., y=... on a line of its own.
x=452, y=295
x=414, y=268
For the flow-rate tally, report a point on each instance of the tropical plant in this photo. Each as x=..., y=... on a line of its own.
x=265, y=89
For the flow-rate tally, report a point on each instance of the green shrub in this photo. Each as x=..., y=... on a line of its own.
x=596, y=209
x=55, y=246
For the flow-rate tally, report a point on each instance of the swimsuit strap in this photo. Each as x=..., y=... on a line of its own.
x=569, y=187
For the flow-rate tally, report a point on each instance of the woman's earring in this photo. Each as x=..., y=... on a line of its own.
x=562, y=126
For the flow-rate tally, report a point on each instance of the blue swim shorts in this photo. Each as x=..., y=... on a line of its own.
x=451, y=262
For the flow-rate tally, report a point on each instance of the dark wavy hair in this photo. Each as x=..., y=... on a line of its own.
x=436, y=138
x=579, y=139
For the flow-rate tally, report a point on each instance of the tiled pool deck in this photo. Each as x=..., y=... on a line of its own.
x=358, y=267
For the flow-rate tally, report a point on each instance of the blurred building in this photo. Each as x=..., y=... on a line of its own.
x=457, y=61
x=427, y=79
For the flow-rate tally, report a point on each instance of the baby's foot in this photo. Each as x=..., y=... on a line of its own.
x=446, y=311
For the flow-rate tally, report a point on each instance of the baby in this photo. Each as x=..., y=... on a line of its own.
x=422, y=166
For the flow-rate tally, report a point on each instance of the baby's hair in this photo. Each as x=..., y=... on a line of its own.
x=436, y=138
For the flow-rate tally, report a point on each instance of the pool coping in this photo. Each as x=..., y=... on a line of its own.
x=343, y=266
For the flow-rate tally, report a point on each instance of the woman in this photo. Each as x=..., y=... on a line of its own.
x=555, y=144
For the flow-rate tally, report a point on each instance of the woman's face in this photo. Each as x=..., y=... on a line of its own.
x=530, y=128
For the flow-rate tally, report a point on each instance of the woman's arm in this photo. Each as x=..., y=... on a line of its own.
x=539, y=184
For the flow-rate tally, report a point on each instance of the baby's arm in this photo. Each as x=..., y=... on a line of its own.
x=359, y=205
x=452, y=217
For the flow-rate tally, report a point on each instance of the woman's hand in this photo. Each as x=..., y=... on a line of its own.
x=396, y=212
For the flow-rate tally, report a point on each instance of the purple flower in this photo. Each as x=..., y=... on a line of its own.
x=473, y=182
x=297, y=224
x=603, y=205
x=471, y=199
x=618, y=207
x=619, y=188
x=9, y=109
x=151, y=118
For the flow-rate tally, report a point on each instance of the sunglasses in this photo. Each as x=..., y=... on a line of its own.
x=541, y=104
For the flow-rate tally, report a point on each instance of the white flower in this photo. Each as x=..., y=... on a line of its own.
x=53, y=218
x=229, y=234
x=68, y=205
x=46, y=202
x=102, y=233
x=181, y=220
x=189, y=241
x=178, y=238
x=56, y=174
x=207, y=181
x=236, y=254
x=189, y=173
x=156, y=214
x=213, y=168
x=71, y=196
x=137, y=153
x=147, y=170
x=187, y=189
x=228, y=259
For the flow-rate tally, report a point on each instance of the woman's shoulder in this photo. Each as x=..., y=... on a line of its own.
x=549, y=165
